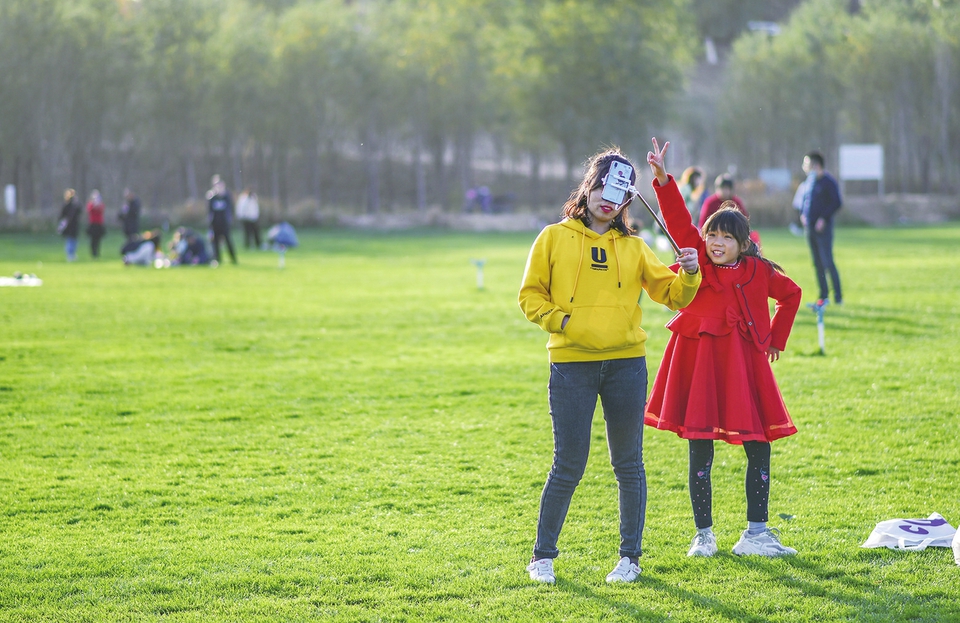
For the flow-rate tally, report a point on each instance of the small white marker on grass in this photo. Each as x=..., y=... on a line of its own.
x=818, y=310
x=479, y=264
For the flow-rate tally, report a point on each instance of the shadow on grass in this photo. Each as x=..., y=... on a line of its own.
x=859, y=598
x=891, y=320
x=867, y=600
x=699, y=601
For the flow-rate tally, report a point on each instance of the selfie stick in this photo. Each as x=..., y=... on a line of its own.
x=663, y=227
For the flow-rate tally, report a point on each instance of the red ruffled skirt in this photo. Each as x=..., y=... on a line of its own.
x=717, y=387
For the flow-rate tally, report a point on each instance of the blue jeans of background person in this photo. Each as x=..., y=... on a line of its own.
x=71, y=249
x=821, y=248
x=574, y=387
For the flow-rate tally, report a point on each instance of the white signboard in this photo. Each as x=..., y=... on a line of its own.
x=862, y=162
x=10, y=198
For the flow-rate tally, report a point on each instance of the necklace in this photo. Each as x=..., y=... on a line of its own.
x=730, y=266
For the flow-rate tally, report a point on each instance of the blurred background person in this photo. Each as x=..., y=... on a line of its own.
x=69, y=224
x=95, y=228
x=141, y=250
x=723, y=191
x=130, y=214
x=188, y=248
x=248, y=211
x=821, y=200
x=691, y=188
x=220, y=214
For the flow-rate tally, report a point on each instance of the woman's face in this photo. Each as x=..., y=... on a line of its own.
x=602, y=212
x=722, y=248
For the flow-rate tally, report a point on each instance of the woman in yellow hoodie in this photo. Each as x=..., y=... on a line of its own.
x=582, y=284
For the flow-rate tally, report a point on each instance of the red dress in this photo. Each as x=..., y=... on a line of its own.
x=718, y=385
x=715, y=381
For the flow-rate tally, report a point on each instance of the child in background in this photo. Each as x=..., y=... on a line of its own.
x=691, y=188
x=582, y=284
x=69, y=224
x=95, y=229
x=715, y=381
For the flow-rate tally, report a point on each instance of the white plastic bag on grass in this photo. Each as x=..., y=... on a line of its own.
x=913, y=534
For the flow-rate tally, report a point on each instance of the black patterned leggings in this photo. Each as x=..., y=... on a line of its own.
x=757, y=480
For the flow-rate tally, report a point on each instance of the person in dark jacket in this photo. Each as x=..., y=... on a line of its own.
x=130, y=214
x=820, y=202
x=188, y=248
x=220, y=214
x=69, y=224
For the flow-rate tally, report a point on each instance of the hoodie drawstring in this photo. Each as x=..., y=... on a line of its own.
x=617, y=255
x=576, y=278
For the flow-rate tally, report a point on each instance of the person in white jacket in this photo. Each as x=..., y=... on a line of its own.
x=248, y=211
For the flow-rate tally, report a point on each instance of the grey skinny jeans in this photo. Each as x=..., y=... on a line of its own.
x=621, y=385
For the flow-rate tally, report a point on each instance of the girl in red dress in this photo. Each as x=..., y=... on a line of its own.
x=715, y=381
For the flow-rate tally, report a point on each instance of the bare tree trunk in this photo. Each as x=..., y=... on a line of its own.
x=903, y=146
x=373, y=186
x=283, y=160
x=419, y=173
x=438, y=150
x=568, y=164
x=275, y=176
x=259, y=161
x=333, y=170
x=372, y=173
x=500, y=154
x=535, y=180
x=464, y=162
x=386, y=166
x=315, y=177
x=79, y=174
x=944, y=77
x=30, y=184
x=190, y=170
x=236, y=153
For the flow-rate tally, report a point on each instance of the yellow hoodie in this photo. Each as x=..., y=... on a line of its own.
x=596, y=280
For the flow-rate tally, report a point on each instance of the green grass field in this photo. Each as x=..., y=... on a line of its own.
x=363, y=436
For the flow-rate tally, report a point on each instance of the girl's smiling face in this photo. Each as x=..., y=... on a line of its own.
x=722, y=248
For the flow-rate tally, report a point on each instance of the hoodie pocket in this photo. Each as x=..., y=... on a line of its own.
x=600, y=328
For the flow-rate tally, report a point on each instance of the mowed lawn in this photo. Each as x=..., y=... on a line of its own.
x=363, y=436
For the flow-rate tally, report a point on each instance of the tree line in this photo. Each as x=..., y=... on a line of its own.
x=887, y=72
x=380, y=104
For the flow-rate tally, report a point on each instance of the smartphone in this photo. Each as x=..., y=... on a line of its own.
x=617, y=182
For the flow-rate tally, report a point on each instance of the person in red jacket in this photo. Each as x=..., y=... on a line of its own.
x=723, y=186
x=95, y=228
x=715, y=380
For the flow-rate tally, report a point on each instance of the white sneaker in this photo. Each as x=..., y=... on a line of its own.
x=542, y=571
x=625, y=571
x=764, y=544
x=703, y=544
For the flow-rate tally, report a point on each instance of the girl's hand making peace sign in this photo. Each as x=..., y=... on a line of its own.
x=655, y=160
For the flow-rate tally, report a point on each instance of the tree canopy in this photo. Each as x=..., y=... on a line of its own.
x=374, y=103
